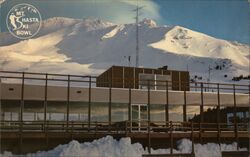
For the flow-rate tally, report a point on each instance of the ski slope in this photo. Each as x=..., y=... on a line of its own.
x=89, y=46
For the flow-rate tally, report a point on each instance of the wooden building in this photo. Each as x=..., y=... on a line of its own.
x=139, y=78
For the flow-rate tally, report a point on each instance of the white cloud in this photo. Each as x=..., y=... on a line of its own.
x=1, y=1
x=150, y=8
x=121, y=11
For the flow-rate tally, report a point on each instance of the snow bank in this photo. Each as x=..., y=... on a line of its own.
x=109, y=147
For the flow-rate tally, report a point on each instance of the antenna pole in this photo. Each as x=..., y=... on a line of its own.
x=137, y=35
x=137, y=11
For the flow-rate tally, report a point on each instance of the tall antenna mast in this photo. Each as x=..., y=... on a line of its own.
x=137, y=33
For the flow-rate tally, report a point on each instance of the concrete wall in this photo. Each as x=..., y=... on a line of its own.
x=118, y=95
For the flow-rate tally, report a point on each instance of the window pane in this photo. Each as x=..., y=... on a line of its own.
x=78, y=111
x=161, y=81
x=143, y=81
x=135, y=112
x=10, y=110
x=99, y=112
x=119, y=112
x=175, y=113
x=192, y=112
x=157, y=113
x=56, y=110
x=33, y=110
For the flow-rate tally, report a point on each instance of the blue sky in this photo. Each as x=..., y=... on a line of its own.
x=225, y=19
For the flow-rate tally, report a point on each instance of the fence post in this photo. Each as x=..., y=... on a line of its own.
x=192, y=136
x=22, y=103
x=218, y=113
x=171, y=138
x=45, y=100
x=68, y=97
x=89, y=104
x=166, y=106
x=200, y=132
x=110, y=99
x=129, y=109
x=235, y=118
x=202, y=105
x=149, y=138
x=185, y=105
x=21, y=114
x=201, y=113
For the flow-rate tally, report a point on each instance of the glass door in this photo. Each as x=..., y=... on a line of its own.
x=139, y=113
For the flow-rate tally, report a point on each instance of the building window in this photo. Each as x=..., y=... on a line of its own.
x=156, y=82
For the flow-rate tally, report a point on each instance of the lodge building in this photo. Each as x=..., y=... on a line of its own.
x=136, y=78
x=142, y=97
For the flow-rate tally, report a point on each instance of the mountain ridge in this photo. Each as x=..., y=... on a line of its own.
x=94, y=45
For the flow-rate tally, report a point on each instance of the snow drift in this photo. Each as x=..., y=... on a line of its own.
x=109, y=147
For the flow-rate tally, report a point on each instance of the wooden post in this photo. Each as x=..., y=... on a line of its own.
x=68, y=101
x=166, y=106
x=45, y=103
x=235, y=118
x=89, y=104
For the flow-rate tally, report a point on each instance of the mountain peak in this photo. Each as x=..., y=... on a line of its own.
x=95, y=23
x=148, y=22
x=59, y=21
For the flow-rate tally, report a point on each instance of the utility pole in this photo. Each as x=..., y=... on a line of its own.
x=137, y=33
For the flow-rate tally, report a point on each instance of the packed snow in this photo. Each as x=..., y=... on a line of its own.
x=90, y=46
x=109, y=147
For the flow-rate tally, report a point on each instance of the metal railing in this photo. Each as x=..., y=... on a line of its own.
x=121, y=127
x=69, y=81
x=85, y=80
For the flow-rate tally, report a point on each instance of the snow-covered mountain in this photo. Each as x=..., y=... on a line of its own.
x=89, y=46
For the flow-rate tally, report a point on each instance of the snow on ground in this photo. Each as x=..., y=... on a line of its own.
x=109, y=147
